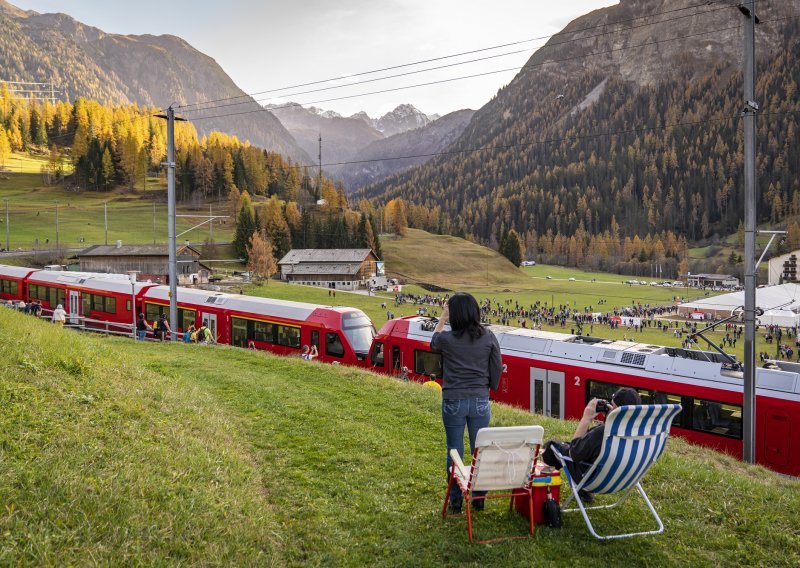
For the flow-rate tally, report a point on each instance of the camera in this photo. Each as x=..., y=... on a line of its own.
x=602, y=406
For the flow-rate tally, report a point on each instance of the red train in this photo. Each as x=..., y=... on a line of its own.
x=109, y=302
x=545, y=372
x=557, y=374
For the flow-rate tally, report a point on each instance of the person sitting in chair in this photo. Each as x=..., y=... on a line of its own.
x=587, y=442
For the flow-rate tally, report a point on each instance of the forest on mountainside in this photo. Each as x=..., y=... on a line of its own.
x=638, y=163
x=118, y=147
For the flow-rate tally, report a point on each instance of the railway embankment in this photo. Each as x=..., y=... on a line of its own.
x=118, y=452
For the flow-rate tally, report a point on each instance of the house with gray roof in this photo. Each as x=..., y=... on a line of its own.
x=344, y=269
x=150, y=261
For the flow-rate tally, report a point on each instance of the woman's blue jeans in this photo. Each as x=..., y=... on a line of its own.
x=472, y=413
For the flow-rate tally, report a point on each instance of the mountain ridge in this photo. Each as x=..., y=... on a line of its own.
x=117, y=69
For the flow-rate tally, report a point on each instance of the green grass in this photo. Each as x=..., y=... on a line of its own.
x=32, y=212
x=116, y=452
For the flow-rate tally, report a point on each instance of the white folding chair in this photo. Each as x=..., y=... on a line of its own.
x=503, y=459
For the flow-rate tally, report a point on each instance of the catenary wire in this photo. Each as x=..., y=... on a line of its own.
x=605, y=24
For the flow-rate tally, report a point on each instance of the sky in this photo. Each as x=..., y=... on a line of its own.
x=269, y=45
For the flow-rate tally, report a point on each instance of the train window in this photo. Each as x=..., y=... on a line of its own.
x=315, y=338
x=32, y=290
x=600, y=389
x=333, y=345
x=376, y=358
x=239, y=332
x=289, y=336
x=151, y=312
x=717, y=418
x=87, y=305
x=395, y=357
x=263, y=331
x=427, y=363
x=9, y=287
x=127, y=305
x=110, y=305
x=187, y=318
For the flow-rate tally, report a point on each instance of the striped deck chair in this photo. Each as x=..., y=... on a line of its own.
x=633, y=439
x=503, y=459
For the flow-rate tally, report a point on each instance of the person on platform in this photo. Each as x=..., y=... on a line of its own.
x=142, y=327
x=309, y=353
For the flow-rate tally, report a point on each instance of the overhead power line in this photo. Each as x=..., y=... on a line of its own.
x=523, y=68
x=471, y=52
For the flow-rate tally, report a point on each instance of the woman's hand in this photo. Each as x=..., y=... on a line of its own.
x=445, y=314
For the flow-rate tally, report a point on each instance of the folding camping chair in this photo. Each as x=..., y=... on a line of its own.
x=503, y=459
x=633, y=439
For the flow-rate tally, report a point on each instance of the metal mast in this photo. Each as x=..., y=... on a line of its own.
x=749, y=117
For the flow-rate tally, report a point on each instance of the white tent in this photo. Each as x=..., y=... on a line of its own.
x=782, y=318
x=784, y=298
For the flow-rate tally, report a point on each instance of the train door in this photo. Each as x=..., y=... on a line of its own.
x=74, y=307
x=547, y=392
x=776, y=437
x=212, y=323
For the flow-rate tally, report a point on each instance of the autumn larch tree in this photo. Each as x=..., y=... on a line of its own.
x=260, y=258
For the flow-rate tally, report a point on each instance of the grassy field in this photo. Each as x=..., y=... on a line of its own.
x=116, y=452
x=32, y=212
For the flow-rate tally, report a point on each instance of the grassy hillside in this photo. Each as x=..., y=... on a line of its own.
x=32, y=212
x=115, y=452
x=447, y=261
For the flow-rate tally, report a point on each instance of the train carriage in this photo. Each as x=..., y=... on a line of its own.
x=341, y=334
x=557, y=374
x=13, y=282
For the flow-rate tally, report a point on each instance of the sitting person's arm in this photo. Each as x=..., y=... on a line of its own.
x=586, y=443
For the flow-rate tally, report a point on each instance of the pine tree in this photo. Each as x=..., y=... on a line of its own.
x=245, y=227
x=511, y=247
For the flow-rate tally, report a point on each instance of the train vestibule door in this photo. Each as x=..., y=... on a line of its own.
x=547, y=392
x=74, y=307
x=211, y=319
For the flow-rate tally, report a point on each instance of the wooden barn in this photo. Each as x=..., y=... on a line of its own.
x=150, y=261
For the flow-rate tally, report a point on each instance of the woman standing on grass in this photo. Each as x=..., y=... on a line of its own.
x=471, y=365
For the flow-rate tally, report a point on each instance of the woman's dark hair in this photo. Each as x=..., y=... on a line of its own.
x=465, y=315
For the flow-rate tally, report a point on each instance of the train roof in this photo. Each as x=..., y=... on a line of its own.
x=686, y=365
x=118, y=283
x=236, y=302
x=15, y=271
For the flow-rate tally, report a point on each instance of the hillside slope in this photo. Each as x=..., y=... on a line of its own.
x=123, y=452
x=448, y=262
x=84, y=61
x=631, y=114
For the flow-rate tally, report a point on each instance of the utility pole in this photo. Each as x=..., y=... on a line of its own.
x=154, y=222
x=105, y=219
x=319, y=173
x=57, y=247
x=749, y=117
x=8, y=246
x=210, y=225
x=173, y=261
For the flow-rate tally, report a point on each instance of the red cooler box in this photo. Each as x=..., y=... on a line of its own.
x=540, y=483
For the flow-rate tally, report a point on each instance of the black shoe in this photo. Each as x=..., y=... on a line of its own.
x=478, y=505
x=586, y=497
x=454, y=508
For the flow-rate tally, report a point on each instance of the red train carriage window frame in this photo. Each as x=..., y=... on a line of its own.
x=428, y=363
x=245, y=330
x=98, y=303
x=698, y=414
x=50, y=294
x=10, y=287
x=333, y=345
x=186, y=317
x=376, y=357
